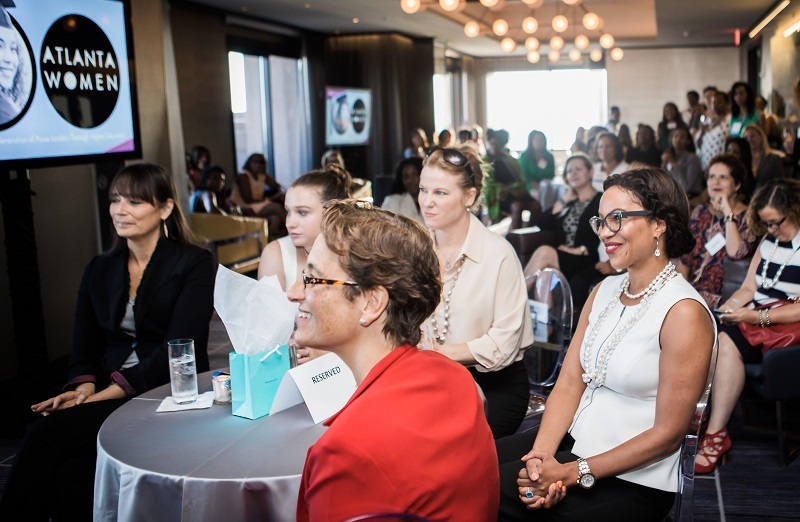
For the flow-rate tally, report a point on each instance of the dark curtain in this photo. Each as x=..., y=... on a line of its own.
x=399, y=71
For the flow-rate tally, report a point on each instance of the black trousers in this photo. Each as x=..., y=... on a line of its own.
x=507, y=392
x=53, y=472
x=611, y=499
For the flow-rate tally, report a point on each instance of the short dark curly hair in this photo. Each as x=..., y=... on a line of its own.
x=380, y=248
x=658, y=192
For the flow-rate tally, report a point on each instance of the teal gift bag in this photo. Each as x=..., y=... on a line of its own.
x=255, y=380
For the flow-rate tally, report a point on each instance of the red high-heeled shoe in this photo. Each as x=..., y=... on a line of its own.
x=713, y=448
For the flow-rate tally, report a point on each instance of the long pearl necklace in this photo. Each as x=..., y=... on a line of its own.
x=665, y=275
x=440, y=338
x=595, y=377
x=767, y=284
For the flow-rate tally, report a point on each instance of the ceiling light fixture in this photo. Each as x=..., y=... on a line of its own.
x=508, y=45
x=572, y=2
x=448, y=5
x=531, y=43
x=489, y=3
x=596, y=55
x=534, y=56
x=606, y=41
x=410, y=6
x=767, y=19
x=534, y=4
x=795, y=27
x=582, y=42
x=530, y=25
x=500, y=27
x=560, y=23
x=574, y=55
x=617, y=54
x=591, y=21
x=557, y=43
x=472, y=29
x=554, y=56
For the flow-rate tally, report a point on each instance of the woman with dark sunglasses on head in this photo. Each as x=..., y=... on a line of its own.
x=483, y=319
x=636, y=367
x=772, y=286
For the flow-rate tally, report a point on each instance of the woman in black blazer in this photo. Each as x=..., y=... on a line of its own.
x=153, y=286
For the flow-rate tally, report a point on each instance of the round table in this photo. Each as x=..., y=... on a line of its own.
x=200, y=464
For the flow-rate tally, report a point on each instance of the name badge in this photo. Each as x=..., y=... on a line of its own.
x=715, y=244
x=325, y=384
x=672, y=125
x=736, y=127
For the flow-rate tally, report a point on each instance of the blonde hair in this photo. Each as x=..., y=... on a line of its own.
x=435, y=159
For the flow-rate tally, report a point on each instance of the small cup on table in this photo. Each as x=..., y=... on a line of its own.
x=183, y=371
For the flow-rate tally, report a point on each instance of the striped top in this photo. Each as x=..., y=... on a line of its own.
x=789, y=283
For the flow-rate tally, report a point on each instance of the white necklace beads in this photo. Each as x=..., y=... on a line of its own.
x=595, y=377
x=441, y=337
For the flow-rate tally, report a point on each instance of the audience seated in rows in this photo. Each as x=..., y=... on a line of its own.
x=670, y=120
x=719, y=228
x=646, y=151
x=418, y=144
x=483, y=320
x=505, y=186
x=404, y=198
x=258, y=194
x=767, y=163
x=743, y=109
x=537, y=162
x=711, y=133
x=573, y=245
x=773, y=280
x=683, y=164
x=610, y=159
x=210, y=197
x=618, y=431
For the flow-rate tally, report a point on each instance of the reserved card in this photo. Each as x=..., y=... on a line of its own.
x=325, y=384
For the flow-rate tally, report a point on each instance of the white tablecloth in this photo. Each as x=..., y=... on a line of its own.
x=199, y=464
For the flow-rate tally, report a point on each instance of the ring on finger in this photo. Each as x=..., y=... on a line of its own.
x=529, y=493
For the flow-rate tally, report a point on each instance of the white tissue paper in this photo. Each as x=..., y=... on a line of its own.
x=257, y=314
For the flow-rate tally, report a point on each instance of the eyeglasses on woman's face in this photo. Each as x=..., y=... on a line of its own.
x=454, y=157
x=320, y=281
x=613, y=220
x=773, y=225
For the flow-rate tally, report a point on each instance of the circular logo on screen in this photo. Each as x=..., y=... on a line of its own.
x=80, y=73
x=359, y=116
x=17, y=71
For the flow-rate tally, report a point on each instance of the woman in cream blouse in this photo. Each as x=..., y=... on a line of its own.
x=483, y=320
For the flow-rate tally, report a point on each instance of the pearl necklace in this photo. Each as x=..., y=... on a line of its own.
x=446, y=298
x=596, y=377
x=771, y=284
x=665, y=275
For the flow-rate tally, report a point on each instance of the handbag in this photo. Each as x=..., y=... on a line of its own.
x=774, y=336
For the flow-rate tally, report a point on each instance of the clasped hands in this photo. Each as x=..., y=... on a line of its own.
x=82, y=393
x=539, y=477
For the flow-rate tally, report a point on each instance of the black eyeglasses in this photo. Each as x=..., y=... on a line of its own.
x=613, y=220
x=319, y=281
x=455, y=158
x=774, y=224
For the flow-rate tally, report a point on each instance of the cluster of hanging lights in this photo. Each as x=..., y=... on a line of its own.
x=530, y=25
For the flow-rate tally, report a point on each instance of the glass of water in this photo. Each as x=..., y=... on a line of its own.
x=182, y=370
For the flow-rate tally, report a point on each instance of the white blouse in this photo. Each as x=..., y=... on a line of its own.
x=489, y=304
x=402, y=204
x=625, y=405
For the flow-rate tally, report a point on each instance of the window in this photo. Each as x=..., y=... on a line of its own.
x=554, y=102
x=269, y=103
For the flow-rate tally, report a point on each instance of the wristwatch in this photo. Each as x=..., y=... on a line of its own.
x=585, y=478
x=584, y=250
x=730, y=217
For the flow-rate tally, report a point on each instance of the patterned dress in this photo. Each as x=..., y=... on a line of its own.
x=706, y=271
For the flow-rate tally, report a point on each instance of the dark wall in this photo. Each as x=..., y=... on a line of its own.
x=399, y=71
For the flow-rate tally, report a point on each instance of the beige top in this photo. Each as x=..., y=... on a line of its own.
x=257, y=185
x=489, y=304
